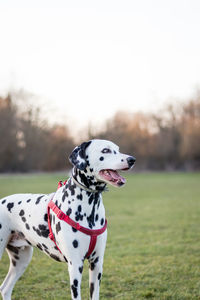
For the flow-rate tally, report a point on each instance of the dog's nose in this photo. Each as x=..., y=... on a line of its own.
x=131, y=160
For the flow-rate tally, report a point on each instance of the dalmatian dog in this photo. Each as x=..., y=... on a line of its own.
x=25, y=222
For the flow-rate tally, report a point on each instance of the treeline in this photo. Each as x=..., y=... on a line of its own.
x=27, y=142
x=168, y=140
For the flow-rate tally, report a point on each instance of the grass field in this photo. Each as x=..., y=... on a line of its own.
x=153, y=248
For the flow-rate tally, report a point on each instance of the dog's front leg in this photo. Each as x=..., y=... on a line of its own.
x=95, y=273
x=75, y=274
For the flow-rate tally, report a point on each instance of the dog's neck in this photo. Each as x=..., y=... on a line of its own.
x=81, y=205
x=87, y=181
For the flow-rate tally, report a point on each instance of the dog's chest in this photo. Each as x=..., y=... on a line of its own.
x=83, y=207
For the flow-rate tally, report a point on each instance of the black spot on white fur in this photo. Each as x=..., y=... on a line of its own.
x=44, y=246
x=13, y=249
x=27, y=226
x=75, y=244
x=10, y=206
x=69, y=211
x=21, y=213
x=91, y=289
x=74, y=288
x=93, y=263
x=42, y=230
x=14, y=262
x=58, y=227
x=46, y=217
x=91, y=217
x=38, y=199
x=55, y=257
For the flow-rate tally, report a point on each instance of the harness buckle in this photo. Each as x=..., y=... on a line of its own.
x=60, y=215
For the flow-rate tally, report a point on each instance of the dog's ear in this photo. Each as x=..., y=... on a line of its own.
x=78, y=156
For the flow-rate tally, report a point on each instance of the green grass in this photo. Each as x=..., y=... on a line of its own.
x=153, y=248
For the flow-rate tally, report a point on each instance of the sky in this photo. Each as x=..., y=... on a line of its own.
x=85, y=60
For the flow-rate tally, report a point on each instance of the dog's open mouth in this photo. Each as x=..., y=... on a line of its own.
x=113, y=177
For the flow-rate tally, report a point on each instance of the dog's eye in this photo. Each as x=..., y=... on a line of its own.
x=106, y=150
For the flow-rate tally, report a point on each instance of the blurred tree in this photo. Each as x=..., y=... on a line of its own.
x=27, y=142
x=190, y=131
x=167, y=139
x=8, y=133
x=60, y=144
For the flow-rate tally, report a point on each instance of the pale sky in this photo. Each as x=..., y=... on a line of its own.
x=88, y=59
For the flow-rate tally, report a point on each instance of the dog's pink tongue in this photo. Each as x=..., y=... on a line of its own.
x=116, y=176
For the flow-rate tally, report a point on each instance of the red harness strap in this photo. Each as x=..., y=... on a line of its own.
x=93, y=233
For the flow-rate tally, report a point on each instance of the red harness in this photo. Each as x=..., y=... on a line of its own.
x=62, y=216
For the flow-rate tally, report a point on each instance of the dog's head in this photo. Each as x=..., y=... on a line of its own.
x=102, y=159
